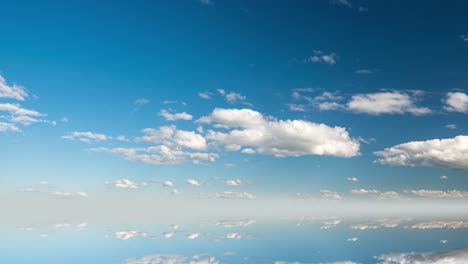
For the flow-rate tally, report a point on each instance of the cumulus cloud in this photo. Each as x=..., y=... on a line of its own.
x=86, y=136
x=61, y=194
x=439, y=225
x=327, y=194
x=193, y=182
x=451, y=126
x=125, y=183
x=232, y=224
x=168, y=184
x=385, y=103
x=12, y=91
x=236, y=195
x=456, y=102
x=176, y=116
x=377, y=193
x=230, y=182
x=452, y=194
x=449, y=153
x=281, y=138
x=352, y=179
x=125, y=235
x=453, y=256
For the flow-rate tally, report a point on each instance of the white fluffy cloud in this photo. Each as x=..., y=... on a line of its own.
x=447, y=153
x=457, y=256
x=12, y=91
x=176, y=116
x=394, y=102
x=86, y=136
x=456, y=102
x=280, y=138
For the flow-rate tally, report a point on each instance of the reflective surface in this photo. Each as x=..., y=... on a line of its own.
x=284, y=240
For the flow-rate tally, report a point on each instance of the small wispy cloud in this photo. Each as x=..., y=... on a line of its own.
x=206, y=2
x=231, y=97
x=205, y=95
x=464, y=37
x=341, y=3
x=175, y=116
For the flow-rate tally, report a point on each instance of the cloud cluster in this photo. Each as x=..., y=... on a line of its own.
x=159, y=155
x=320, y=57
x=281, y=138
x=453, y=256
x=446, y=153
x=172, y=259
x=387, y=102
x=452, y=194
x=327, y=194
x=439, y=225
x=231, y=97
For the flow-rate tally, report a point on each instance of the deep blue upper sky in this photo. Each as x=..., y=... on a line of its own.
x=89, y=61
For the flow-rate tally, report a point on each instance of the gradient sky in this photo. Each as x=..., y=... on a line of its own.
x=314, y=88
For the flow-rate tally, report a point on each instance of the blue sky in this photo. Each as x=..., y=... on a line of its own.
x=316, y=89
